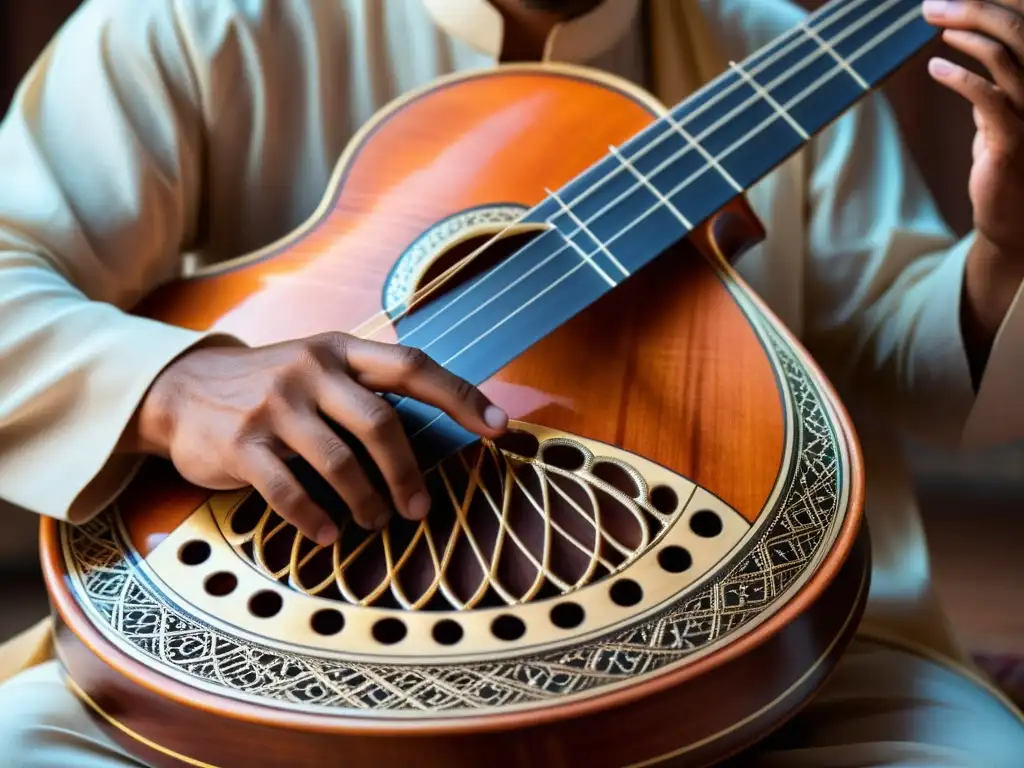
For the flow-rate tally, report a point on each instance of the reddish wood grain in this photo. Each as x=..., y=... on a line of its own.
x=667, y=366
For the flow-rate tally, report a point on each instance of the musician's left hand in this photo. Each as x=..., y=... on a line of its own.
x=993, y=33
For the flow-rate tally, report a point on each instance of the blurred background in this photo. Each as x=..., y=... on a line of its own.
x=973, y=509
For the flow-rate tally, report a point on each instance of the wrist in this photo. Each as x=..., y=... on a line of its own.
x=150, y=429
x=991, y=281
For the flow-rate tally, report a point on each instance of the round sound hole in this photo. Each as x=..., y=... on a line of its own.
x=265, y=604
x=706, y=524
x=447, y=632
x=195, y=552
x=508, y=628
x=675, y=559
x=626, y=592
x=664, y=499
x=389, y=631
x=567, y=615
x=221, y=583
x=327, y=622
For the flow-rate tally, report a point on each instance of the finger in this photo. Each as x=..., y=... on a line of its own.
x=411, y=372
x=1004, y=68
x=333, y=460
x=992, y=103
x=273, y=480
x=998, y=21
x=376, y=425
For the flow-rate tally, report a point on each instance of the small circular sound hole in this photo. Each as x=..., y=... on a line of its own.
x=626, y=592
x=508, y=628
x=194, y=552
x=567, y=615
x=664, y=499
x=706, y=524
x=675, y=559
x=221, y=583
x=327, y=622
x=265, y=604
x=447, y=632
x=389, y=631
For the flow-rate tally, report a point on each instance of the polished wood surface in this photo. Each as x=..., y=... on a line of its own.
x=667, y=366
x=683, y=382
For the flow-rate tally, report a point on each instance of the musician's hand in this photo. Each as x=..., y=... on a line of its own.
x=226, y=416
x=992, y=33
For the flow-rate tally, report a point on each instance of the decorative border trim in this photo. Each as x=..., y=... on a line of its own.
x=141, y=618
x=398, y=286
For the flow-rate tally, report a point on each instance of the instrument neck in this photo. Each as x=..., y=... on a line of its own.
x=651, y=192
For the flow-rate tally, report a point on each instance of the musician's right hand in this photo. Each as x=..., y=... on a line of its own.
x=228, y=417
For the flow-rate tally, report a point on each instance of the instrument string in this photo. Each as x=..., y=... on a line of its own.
x=891, y=29
x=783, y=45
x=713, y=163
x=583, y=263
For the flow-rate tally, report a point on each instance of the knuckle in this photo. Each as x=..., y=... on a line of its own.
x=330, y=346
x=975, y=10
x=279, y=393
x=335, y=341
x=320, y=352
x=379, y=417
x=336, y=456
x=412, y=359
x=463, y=390
x=309, y=357
x=283, y=493
x=275, y=403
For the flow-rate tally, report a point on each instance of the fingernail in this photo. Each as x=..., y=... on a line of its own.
x=495, y=417
x=326, y=535
x=940, y=67
x=419, y=506
x=936, y=8
x=380, y=521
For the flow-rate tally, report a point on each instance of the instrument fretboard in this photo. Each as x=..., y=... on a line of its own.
x=649, y=193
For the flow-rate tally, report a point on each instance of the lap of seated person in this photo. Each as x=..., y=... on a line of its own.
x=884, y=706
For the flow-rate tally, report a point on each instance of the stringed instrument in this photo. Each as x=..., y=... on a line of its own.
x=660, y=563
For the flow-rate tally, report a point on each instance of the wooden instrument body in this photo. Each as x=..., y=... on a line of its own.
x=680, y=373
